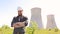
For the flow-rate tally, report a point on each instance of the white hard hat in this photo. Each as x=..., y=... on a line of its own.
x=19, y=8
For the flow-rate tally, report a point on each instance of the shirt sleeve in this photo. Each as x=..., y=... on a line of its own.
x=26, y=22
x=13, y=21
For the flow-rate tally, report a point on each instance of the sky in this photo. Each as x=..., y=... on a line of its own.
x=8, y=9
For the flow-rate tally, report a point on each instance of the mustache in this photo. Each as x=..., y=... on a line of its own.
x=20, y=15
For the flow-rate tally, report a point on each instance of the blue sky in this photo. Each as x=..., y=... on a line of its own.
x=8, y=9
x=7, y=6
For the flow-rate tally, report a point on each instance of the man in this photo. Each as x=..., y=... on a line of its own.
x=19, y=22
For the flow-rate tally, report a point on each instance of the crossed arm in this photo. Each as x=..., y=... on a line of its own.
x=20, y=24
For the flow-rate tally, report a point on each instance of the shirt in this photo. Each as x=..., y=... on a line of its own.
x=19, y=19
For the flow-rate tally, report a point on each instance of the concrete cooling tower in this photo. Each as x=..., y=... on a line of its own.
x=51, y=22
x=36, y=16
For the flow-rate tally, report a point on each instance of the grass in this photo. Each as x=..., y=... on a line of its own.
x=30, y=30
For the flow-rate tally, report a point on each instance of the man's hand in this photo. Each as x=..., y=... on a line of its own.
x=15, y=25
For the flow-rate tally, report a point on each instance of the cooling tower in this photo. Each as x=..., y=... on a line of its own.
x=51, y=22
x=36, y=16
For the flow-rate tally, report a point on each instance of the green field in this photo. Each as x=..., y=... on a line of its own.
x=30, y=30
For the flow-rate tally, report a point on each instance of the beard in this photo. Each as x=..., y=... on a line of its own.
x=20, y=15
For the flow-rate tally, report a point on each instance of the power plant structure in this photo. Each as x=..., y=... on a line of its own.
x=36, y=16
x=51, y=22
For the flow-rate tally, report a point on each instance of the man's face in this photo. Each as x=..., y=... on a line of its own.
x=20, y=12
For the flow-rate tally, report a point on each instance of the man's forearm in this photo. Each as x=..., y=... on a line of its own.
x=19, y=24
